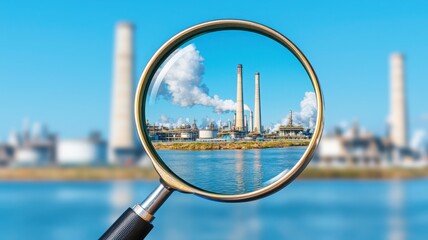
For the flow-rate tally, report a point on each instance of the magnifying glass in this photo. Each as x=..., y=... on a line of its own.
x=228, y=110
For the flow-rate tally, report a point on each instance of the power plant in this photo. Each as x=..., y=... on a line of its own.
x=242, y=124
x=242, y=129
x=343, y=148
x=357, y=148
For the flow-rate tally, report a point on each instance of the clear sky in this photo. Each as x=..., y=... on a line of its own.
x=56, y=56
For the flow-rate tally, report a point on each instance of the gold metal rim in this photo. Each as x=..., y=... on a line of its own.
x=167, y=176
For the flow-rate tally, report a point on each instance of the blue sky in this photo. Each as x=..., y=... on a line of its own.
x=56, y=56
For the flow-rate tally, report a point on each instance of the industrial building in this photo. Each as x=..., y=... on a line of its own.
x=343, y=148
x=353, y=147
x=211, y=132
x=241, y=128
x=41, y=148
x=292, y=131
x=86, y=151
x=183, y=133
x=35, y=147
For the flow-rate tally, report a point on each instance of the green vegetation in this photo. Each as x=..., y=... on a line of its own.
x=228, y=145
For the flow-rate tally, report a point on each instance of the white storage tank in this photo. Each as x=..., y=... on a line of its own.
x=81, y=152
x=32, y=156
x=186, y=135
x=207, y=133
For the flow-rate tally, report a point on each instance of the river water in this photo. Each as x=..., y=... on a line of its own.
x=232, y=171
x=306, y=209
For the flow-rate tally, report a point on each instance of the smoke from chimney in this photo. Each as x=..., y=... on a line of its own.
x=180, y=82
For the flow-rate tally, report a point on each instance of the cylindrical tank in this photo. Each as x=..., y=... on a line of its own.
x=207, y=133
x=76, y=152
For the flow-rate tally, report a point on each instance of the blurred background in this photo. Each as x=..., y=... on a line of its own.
x=69, y=168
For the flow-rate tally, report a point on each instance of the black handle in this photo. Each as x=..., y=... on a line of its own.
x=129, y=226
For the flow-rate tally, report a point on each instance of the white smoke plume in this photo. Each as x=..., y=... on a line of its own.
x=307, y=116
x=166, y=121
x=206, y=121
x=180, y=81
x=169, y=122
x=419, y=141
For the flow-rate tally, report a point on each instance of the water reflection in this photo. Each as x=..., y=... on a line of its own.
x=246, y=223
x=258, y=174
x=321, y=209
x=396, y=220
x=231, y=171
x=120, y=197
x=239, y=168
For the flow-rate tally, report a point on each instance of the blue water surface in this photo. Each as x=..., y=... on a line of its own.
x=306, y=209
x=232, y=171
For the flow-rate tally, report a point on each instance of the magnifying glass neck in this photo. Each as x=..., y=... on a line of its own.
x=153, y=202
x=135, y=223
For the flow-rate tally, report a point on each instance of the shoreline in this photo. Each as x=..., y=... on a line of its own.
x=148, y=173
x=77, y=173
x=393, y=173
x=189, y=146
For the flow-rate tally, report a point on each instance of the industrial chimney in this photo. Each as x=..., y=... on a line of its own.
x=239, y=121
x=121, y=142
x=251, y=122
x=257, y=111
x=398, y=111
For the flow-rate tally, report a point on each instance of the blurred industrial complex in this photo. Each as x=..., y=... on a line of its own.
x=354, y=147
x=36, y=146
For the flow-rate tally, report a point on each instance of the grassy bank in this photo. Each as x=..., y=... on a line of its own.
x=116, y=173
x=228, y=145
x=364, y=173
x=78, y=173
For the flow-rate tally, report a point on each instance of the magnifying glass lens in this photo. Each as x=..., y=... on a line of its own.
x=229, y=112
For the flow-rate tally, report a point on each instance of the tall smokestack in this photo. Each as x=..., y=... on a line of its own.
x=257, y=110
x=398, y=111
x=239, y=122
x=121, y=126
x=251, y=122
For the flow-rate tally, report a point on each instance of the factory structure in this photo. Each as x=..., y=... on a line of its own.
x=356, y=148
x=36, y=146
x=39, y=147
x=243, y=127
